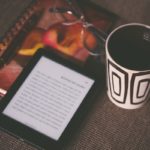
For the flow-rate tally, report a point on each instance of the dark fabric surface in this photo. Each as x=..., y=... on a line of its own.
x=107, y=127
x=8, y=142
x=128, y=10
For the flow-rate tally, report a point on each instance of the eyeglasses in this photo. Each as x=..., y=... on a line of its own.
x=72, y=14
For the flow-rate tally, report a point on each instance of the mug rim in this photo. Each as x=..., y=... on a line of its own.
x=116, y=29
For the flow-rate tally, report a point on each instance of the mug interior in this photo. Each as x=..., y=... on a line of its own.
x=129, y=46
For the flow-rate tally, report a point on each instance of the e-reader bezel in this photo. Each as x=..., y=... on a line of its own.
x=30, y=135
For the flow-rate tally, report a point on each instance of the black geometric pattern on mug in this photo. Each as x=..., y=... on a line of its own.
x=121, y=77
x=147, y=83
x=137, y=96
x=114, y=78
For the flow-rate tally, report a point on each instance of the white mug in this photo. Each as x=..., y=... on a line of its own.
x=128, y=65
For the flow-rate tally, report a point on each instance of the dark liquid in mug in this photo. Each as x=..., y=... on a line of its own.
x=130, y=47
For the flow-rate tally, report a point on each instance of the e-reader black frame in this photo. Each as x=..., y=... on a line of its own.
x=30, y=135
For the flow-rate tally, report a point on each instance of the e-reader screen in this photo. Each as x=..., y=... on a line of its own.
x=48, y=98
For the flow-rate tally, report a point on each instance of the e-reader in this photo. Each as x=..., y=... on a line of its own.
x=47, y=101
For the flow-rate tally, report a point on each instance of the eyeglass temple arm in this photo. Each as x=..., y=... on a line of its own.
x=99, y=33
